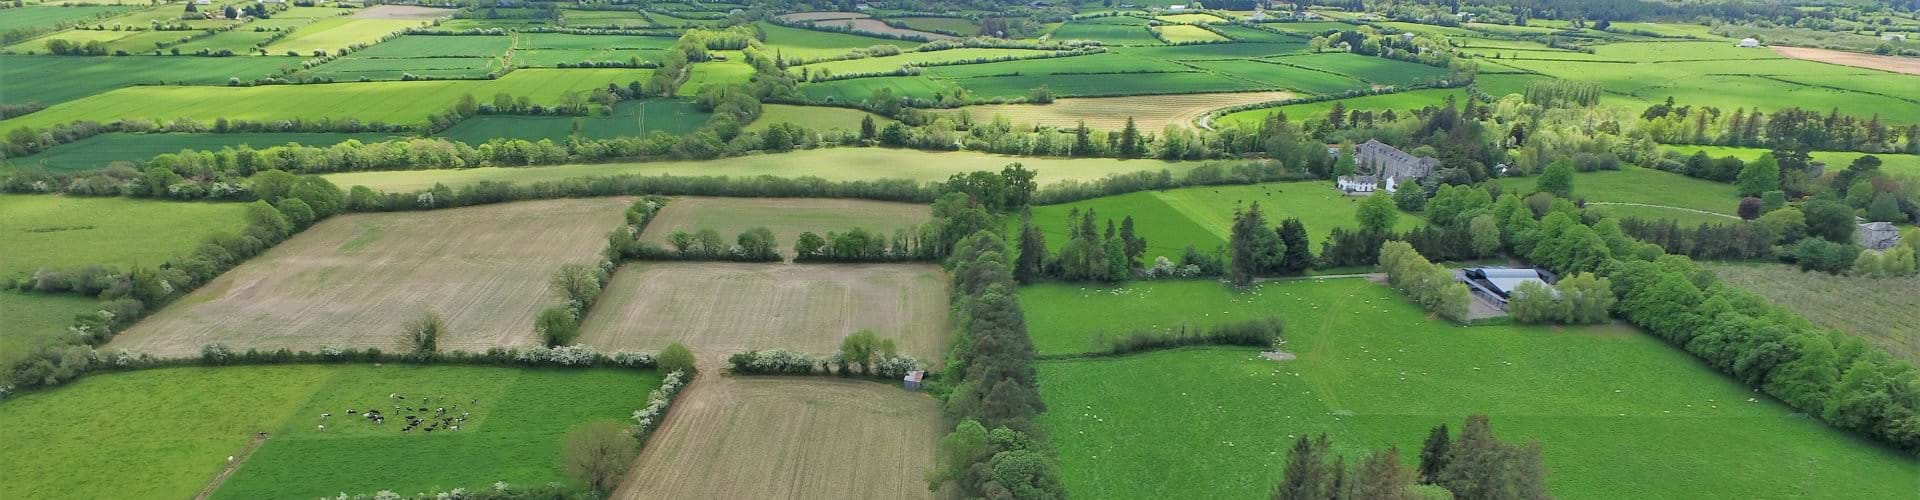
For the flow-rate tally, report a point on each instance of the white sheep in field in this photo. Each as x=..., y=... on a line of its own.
x=322, y=427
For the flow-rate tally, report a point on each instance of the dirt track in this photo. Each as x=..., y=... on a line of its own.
x=718, y=309
x=780, y=437
x=353, y=280
x=1897, y=64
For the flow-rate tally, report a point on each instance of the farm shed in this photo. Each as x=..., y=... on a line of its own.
x=1498, y=283
x=1877, y=235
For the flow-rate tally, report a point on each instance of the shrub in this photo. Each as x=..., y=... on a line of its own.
x=556, y=325
x=675, y=358
x=423, y=334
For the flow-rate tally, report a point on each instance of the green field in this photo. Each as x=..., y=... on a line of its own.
x=629, y=119
x=796, y=43
x=102, y=150
x=1094, y=63
x=1215, y=51
x=334, y=33
x=353, y=69
x=1106, y=84
x=953, y=24
x=164, y=433
x=1401, y=102
x=860, y=89
x=890, y=63
x=48, y=15
x=1178, y=33
x=819, y=118
x=425, y=46
x=552, y=49
x=715, y=73
x=1246, y=34
x=1649, y=187
x=1203, y=216
x=388, y=102
x=85, y=76
x=62, y=231
x=1110, y=34
x=836, y=164
x=1878, y=310
x=1283, y=76
x=30, y=320
x=1898, y=164
x=1619, y=413
x=1378, y=70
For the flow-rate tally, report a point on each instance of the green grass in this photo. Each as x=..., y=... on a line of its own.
x=673, y=116
x=62, y=231
x=715, y=73
x=353, y=69
x=797, y=43
x=239, y=41
x=1110, y=34
x=1106, y=84
x=1284, y=76
x=387, y=102
x=413, y=46
x=164, y=433
x=552, y=49
x=49, y=15
x=1898, y=164
x=890, y=63
x=819, y=118
x=332, y=34
x=1095, y=63
x=101, y=150
x=85, y=76
x=953, y=24
x=1401, y=102
x=861, y=89
x=1203, y=216
x=1618, y=413
x=1215, y=51
x=1176, y=33
x=1378, y=70
x=837, y=164
x=1243, y=33
x=1647, y=186
x=30, y=320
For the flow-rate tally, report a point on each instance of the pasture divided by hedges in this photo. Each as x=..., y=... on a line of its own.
x=66, y=231
x=102, y=150
x=165, y=433
x=629, y=119
x=1618, y=412
x=86, y=76
x=354, y=280
x=1203, y=216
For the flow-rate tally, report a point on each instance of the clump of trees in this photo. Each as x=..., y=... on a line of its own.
x=598, y=454
x=423, y=334
x=1263, y=332
x=1477, y=464
x=860, y=245
x=1578, y=299
x=1432, y=286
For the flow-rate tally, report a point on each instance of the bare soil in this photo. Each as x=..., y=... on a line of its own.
x=1897, y=64
x=354, y=280
x=789, y=437
x=875, y=26
x=786, y=217
x=717, y=308
x=1150, y=113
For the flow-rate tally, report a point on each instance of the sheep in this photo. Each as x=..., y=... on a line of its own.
x=323, y=427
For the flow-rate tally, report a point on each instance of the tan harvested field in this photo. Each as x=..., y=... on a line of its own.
x=875, y=26
x=720, y=308
x=783, y=437
x=1150, y=113
x=1897, y=64
x=786, y=217
x=820, y=16
x=401, y=12
x=1880, y=311
x=354, y=280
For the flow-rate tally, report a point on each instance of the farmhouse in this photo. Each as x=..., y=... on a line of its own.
x=1496, y=284
x=1381, y=165
x=1748, y=43
x=1877, y=235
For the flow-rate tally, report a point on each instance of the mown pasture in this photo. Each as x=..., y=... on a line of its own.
x=714, y=73
x=1108, y=32
x=786, y=217
x=1283, y=76
x=552, y=49
x=368, y=69
x=721, y=308
x=66, y=231
x=629, y=119
x=790, y=437
x=1664, y=191
x=837, y=164
x=385, y=102
x=103, y=150
x=85, y=76
x=1172, y=219
x=335, y=33
x=1618, y=413
x=1878, y=310
x=1150, y=113
x=1180, y=33
x=819, y=118
x=354, y=280
x=167, y=432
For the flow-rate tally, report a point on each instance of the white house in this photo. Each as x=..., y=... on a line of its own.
x=1748, y=43
x=1362, y=184
x=1176, y=8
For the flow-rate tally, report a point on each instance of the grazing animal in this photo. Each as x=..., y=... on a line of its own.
x=323, y=428
x=229, y=458
x=326, y=415
x=349, y=411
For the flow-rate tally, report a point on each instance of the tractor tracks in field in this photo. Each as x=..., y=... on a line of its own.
x=233, y=465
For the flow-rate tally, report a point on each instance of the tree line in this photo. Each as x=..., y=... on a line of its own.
x=1476, y=465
